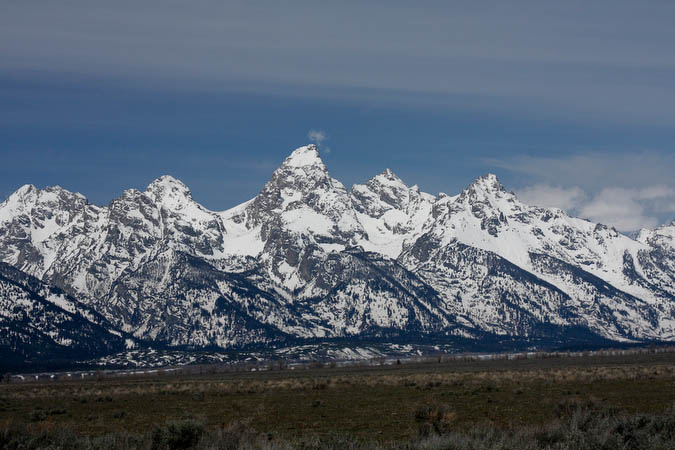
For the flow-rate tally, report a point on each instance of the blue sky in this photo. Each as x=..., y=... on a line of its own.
x=570, y=104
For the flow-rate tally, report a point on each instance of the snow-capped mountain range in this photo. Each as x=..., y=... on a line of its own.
x=308, y=260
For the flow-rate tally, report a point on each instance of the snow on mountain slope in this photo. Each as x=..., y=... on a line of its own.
x=390, y=212
x=601, y=307
x=31, y=221
x=38, y=323
x=356, y=293
x=299, y=229
x=488, y=217
x=303, y=198
x=301, y=213
x=185, y=223
x=180, y=299
x=59, y=237
x=308, y=259
x=134, y=261
x=487, y=292
x=661, y=240
x=657, y=262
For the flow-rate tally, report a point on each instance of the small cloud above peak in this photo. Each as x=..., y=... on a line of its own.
x=317, y=136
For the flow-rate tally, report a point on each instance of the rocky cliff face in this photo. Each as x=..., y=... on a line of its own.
x=307, y=259
x=39, y=322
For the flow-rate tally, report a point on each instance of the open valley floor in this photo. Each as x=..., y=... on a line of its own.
x=375, y=404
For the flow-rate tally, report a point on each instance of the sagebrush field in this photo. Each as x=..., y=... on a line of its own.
x=527, y=403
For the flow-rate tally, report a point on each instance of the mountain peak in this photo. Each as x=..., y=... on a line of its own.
x=25, y=190
x=388, y=175
x=26, y=194
x=166, y=181
x=307, y=155
x=384, y=192
x=484, y=189
x=386, y=180
x=29, y=193
x=60, y=190
x=488, y=183
x=167, y=187
x=302, y=182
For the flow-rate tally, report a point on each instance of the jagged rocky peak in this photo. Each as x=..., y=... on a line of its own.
x=303, y=170
x=663, y=236
x=42, y=204
x=300, y=205
x=131, y=201
x=380, y=193
x=388, y=181
x=23, y=191
x=389, y=176
x=384, y=192
x=169, y=191
x=488, y=183
x=484, y=199
x=30, y=193
x=306, y=156
x=302, y=179
x=486, y=190
x=16, y=202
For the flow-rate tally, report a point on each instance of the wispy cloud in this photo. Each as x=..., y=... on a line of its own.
x=614, y=207
x=593, y=171
x=552, y=196
x=625, y=209
x=625, y=190
x=317, y=136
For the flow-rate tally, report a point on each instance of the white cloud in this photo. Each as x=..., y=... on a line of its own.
x=552, y=196
x=593, y=171
x=625, y=209
x=627, y=190
x=655, y=192
x=317, y=136
x=630, y=209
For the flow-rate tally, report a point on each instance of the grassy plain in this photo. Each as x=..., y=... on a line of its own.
x=387, y=403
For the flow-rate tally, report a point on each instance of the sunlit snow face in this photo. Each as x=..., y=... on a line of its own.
x=311, y=259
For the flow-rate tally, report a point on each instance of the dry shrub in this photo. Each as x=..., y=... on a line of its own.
x=568, y=407
x=435, y=419
x=177, y=435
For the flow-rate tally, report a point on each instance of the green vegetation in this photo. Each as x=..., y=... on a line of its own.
x=598, y=402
